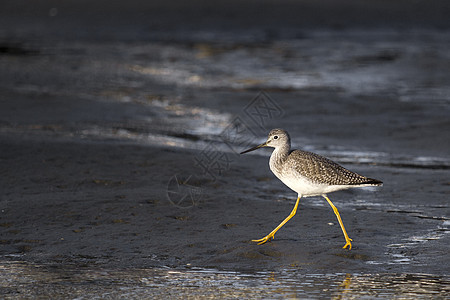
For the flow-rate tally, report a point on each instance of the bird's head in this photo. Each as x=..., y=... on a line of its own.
x=276, y=138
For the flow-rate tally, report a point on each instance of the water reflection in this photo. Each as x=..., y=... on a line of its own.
x=20, y=279
x=344, y=288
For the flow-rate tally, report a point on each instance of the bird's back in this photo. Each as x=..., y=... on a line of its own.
x=321, y=170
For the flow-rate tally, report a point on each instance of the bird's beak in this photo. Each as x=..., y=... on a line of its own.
x=254, y=148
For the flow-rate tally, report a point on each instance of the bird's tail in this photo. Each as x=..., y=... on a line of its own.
x=372, y=181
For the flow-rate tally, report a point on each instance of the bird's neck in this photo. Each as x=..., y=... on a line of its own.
x=279, y=155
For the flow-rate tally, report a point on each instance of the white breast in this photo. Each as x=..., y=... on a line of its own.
x=307, y=188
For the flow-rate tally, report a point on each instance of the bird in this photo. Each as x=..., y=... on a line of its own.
x=308, y=174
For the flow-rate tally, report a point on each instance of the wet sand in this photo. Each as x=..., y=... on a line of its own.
x=103, y=134
x=106, y=204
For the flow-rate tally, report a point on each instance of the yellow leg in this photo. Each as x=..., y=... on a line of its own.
x=272, y=234
x=347, y=239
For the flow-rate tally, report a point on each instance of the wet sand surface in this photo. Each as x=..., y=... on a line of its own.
x=120, y=126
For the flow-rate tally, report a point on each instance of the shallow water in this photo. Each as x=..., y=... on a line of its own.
x=377, y=100
x=23, y=280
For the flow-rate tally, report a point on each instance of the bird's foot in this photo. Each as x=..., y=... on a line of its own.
x=264, y=239
x=348, y=244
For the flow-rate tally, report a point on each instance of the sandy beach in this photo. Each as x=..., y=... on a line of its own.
x=120, y=131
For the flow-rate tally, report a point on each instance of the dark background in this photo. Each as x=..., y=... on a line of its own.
x=103, y=102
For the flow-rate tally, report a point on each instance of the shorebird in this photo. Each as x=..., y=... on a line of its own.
x=308, y=174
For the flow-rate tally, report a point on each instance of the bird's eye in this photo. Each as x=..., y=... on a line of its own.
x=275, y=137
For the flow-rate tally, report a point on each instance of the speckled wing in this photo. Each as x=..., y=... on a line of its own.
x=320, y=169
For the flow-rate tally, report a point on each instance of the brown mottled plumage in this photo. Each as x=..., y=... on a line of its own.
x=321, y=170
